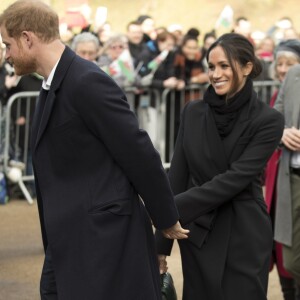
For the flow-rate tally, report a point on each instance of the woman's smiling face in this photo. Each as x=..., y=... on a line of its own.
x=221, y=74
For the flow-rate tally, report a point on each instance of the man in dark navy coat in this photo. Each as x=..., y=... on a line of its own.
x=100, y=182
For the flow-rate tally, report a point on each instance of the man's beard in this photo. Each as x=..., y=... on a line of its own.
x=24, y=65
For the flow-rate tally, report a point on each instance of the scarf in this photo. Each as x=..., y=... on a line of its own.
x=226, y=113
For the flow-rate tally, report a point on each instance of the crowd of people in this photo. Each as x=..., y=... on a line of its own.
x=160, y=57
x=173, y=57
x=224, y=142
x=148, y=56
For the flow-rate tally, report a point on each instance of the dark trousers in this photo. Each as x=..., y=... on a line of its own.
x=288, y=288
x=291, y=254
x=48, y=284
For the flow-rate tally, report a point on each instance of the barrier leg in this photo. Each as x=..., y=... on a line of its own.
x=25, y=191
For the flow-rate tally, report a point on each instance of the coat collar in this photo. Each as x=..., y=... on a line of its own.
x=61, y=70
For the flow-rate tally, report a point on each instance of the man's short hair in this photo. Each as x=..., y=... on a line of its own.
x=31, y=15
x=136, y=23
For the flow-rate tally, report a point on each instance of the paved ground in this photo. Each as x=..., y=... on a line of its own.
x=21, y=255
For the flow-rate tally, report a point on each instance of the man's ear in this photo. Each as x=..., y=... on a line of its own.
x=27, y=38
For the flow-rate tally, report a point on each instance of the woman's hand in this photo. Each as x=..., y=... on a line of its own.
x=175, y=232
x=21, y=121
x=11, y=81
x=162, y=262
x=201, y=78
x=170, y=83
x=180, y=85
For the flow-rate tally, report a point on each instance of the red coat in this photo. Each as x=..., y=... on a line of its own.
x=270, y=198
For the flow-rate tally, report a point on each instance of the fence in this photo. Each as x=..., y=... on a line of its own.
x=158, y=112
x=17, y=118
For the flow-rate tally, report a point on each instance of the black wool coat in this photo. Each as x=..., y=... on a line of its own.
x=219, y=198
x=92, y=164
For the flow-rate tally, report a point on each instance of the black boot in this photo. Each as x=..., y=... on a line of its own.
x=288, y=288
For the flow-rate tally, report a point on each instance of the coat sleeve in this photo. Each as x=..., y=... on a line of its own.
x=104, y=108
x=224, y=187
x=165, y=71
x=287, y=100
x=178, y=176
x=280, y=99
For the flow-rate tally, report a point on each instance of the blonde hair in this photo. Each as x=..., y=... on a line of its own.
x=282, y=53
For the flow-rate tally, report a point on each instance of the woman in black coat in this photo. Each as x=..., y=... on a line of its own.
x=222, y=147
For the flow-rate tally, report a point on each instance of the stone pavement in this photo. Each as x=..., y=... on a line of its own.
x=21, y=255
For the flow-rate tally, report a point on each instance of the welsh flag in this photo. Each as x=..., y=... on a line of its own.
x=122, y=67
x=156, y=62
x=126, y=66
x=225, y=19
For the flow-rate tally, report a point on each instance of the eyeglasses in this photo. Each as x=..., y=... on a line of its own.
x=117, y=47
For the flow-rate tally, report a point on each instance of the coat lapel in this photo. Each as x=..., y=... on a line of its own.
x=295, y=105
x=35, y=122
x=45, y=117
x=61, y=70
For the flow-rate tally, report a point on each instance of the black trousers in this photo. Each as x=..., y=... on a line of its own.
x=48, y=289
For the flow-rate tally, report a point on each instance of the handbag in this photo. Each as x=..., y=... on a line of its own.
x=167, y=287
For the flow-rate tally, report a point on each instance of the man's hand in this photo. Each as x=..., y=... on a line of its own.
x=291, y=138
x=162, y=262
x=176, y=232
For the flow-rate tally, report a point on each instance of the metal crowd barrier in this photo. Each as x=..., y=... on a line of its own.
x=147, y=105
x=173, y=102
x=17, y=156
x=158, y=112
x=265, y=89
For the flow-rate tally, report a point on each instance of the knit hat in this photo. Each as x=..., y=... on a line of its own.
x=290, y=46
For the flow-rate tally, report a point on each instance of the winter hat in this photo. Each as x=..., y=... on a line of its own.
x=290, y=46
